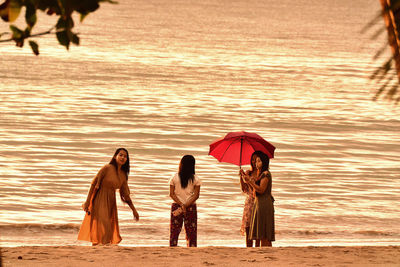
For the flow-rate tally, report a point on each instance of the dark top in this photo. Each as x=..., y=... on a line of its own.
x=264, y=175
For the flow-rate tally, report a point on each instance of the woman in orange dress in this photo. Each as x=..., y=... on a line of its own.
x=100, y=225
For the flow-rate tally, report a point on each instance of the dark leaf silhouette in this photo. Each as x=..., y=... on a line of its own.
x=35, y=47
x=382, y=75
x=64, y=28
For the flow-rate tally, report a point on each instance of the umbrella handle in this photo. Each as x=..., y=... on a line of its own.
x=240, y=155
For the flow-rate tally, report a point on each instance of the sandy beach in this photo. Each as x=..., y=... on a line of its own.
x=203, y=256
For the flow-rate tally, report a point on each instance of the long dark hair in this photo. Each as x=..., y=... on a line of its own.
x=253, y=165
x=264, y=159
x=126, y=167
x=187, y=170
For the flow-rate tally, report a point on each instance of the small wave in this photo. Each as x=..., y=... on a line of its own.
x=39, y=227
x=377, y=233
x=366, y=233
x=149, y=230
x=304, y=232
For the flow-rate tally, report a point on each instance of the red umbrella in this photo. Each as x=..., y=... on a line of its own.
x=237, y=147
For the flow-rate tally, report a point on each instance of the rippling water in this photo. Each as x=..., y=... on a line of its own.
x=167, y=78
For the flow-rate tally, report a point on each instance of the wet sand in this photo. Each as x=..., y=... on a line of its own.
x=203, y=256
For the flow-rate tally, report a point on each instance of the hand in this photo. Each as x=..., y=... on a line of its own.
x=85, y=206
x=177, y=211
x=136, y=215
x=250, y=181
x=246, y=178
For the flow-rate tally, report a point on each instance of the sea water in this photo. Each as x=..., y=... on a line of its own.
x=167, y=78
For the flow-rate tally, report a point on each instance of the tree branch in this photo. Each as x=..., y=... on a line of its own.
x=32, y=35
x=4, y=33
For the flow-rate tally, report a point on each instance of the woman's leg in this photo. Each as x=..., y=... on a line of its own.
x=190, y=220
x=266, y=243
x=175, y=226
x=249, y=242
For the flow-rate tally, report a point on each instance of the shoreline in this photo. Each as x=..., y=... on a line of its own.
x=202, y=256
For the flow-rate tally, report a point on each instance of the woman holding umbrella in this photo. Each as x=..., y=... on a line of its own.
x=262, y=224
x=249, y=202
x=238, y=148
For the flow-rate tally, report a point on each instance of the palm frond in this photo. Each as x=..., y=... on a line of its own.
x=390, y=13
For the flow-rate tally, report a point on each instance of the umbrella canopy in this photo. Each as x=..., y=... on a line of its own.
x=237, y=147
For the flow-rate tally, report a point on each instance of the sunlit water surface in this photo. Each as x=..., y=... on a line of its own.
x=167, y=78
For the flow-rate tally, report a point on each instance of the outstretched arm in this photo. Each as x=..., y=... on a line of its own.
x=135, y=213
x=86, y=205
x=125, y=192
x=94, y=186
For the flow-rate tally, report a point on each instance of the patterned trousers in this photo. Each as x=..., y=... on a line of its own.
x=189, y=218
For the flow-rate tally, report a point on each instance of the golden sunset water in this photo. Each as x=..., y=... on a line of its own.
x=167, y=78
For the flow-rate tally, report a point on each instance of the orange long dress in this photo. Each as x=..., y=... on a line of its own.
x=101, y=226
